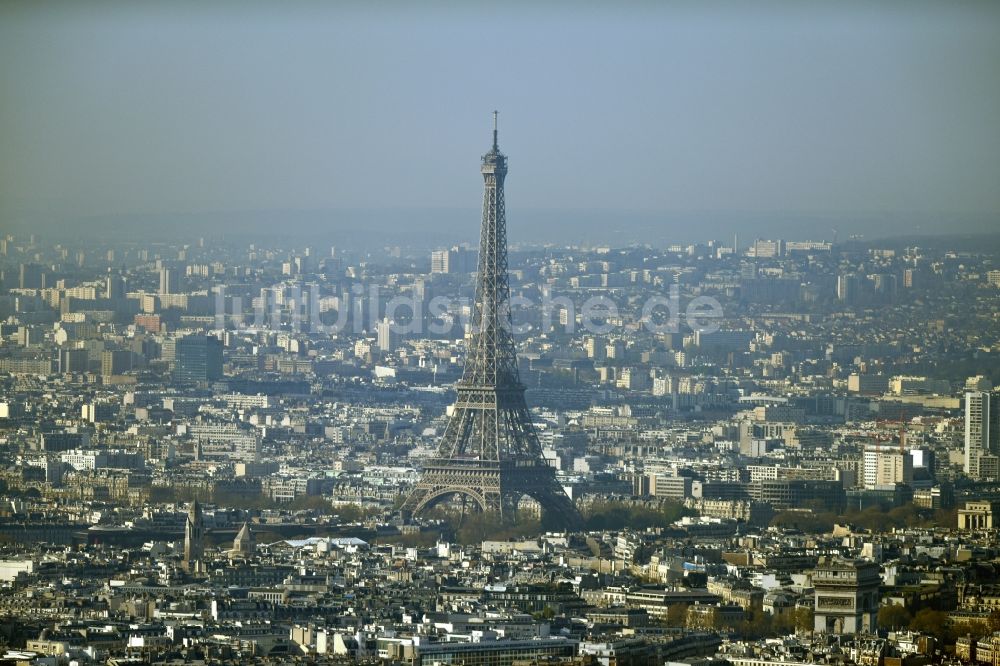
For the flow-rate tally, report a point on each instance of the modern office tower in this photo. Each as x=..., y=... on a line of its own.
x=490, y=453
x=768, y=249
x=116, y=362
x=868, y=384
x=98, y=412
x=73, y=360
x=169, y=281
x=723, y=341
x=168, y=350
x=54, y=442
x=982, y=434
x=886, y=465
x=32, y=276
x=439, y=261
x=194, y=538
x=387, y=339
x=783, y=494
x=923, y=459
x=847, y=288
x=615, y=349
x=595, y=348
x=456, y=260
x=847, y=596
x=114, y=289
x=421, y=290
x=884, y=284
x=748, y=271
x=226, y=441
x=978, y=383
x=81, y=459
x=464, y=259
x=197, y=359
x=29, y=336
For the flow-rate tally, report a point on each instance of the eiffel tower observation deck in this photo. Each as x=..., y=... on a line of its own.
x=490, y=452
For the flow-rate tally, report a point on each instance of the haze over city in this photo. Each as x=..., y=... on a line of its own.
x=633, y=123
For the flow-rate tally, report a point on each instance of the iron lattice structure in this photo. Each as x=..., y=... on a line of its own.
x=490, y=451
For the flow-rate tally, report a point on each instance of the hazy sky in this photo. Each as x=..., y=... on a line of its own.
x=781, y=108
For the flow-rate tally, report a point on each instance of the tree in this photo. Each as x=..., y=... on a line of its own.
x=894, y=617
x=476, y=526
x=245, y=502
x=703, y=619
x=350, y=513
x=805, y=619
x=758, y=624
x=617, y=515
x=317, y=503
x=162, y=495
x=784, y=623
x=806, y=521
x=935, y=623
x=677, y=615
x=993, y=621
x=976, y=629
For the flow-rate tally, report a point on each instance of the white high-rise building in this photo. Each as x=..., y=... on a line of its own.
x=440, y=261
x=387, y=339
x=982, y=433
x=456, y=260
x=886, y=465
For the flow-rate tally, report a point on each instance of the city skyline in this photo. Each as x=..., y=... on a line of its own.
x=717, y=384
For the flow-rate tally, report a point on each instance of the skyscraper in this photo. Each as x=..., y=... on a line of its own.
x=847, y=288
x=115, y=362
x=74, y=360
x=32, y=276
x=886, y=465
x=982, y=434
x=197, y=359
x=456, y=260
x=386, y=336
x=439, y=261
x=169, y=281
x=114, y=289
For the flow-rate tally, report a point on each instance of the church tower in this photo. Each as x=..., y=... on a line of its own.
x=245, y=543
x=194, y=539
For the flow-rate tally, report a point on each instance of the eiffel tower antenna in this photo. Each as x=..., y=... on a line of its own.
x=489, y=453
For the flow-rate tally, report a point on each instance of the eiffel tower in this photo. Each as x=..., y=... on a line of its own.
x=490, y=452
